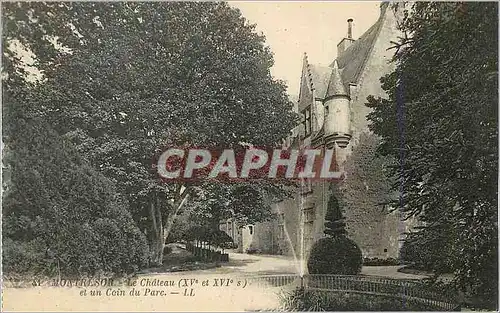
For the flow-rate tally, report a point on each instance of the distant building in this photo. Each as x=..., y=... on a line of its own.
x=332, y=105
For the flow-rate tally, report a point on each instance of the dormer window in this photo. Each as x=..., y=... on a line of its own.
x=306, y=121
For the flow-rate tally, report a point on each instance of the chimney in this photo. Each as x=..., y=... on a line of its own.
x=349, y=28
x=347, y=41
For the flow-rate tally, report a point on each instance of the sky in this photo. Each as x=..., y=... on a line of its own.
x=294, y=27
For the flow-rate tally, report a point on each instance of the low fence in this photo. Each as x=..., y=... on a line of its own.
x=406, y=290
x=207, y=254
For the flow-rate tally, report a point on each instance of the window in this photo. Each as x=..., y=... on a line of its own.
x=250, y=228
x=308, y=235
x=281, y=225
x=306, y=121
x=309, y=215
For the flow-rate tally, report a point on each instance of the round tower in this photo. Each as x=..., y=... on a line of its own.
x=337, y=123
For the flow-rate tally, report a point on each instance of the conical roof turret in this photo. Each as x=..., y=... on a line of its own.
x=335, y=85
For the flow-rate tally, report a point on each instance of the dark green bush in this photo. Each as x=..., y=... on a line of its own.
x=59, y=214
x=21, y=257
x=427, y=251
x=335, y=255
x=220, y=238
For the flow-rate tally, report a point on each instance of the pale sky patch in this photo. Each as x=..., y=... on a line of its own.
x=294, y=27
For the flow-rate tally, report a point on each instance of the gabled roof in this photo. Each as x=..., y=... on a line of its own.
x=350, y=63
x=353, y=59
x=319, y=78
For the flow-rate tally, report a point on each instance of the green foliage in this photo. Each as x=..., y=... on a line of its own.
x=245, y=202
x=335, y=255
x=200, y=233
x=130, y=79
x=334, y=222
x=212, y=236
x=447, y=167
x=428, y=250
x=21, y=257
x=305, y=300
x=59, y=214
x=220, y=239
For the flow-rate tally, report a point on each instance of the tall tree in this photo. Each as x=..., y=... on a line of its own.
x=137, y=77
x=440, y=123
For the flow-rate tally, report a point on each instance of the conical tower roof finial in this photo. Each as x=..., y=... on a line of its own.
x=335, y=85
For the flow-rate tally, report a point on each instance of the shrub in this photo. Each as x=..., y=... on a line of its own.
x=221, y=239
x=428, y=251
x=381, y=262
x=61, y=215
x=304, y=300
x=167, y=250
x=252, y=250
x=21, y=257
x=335, y=255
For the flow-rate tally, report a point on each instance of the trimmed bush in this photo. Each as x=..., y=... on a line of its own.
x=335, y=255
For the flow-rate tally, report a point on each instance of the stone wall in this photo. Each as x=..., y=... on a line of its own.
x=279, y=236
x=288, y=220
x=377, y=65
x=369, y=222
x=362, y=196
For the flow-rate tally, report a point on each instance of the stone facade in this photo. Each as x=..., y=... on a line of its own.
x=332, y=104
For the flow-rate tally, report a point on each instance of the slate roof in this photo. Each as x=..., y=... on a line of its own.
x=353, y=59
x=335, y=85
x=350, y=63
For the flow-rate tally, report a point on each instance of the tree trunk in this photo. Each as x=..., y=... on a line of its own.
x=214, y=226
x=157, y=243
x=160, y=230
x=180, y=200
